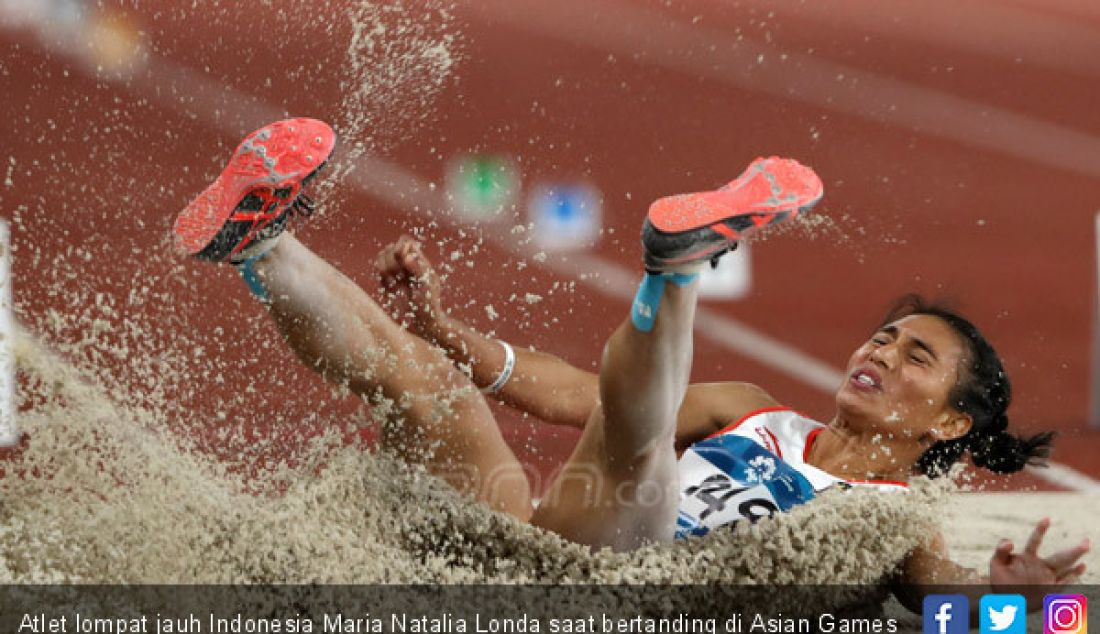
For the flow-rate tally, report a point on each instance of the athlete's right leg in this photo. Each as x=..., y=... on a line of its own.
x=620, y=488
x=440, y=419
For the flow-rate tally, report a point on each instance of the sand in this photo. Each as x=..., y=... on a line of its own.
x=115, y=498
x=974, y=522
x=977, y=520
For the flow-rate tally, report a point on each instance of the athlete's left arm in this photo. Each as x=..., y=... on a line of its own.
x=930, y=567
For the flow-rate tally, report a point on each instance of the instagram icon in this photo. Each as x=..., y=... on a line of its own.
x=1065, y=614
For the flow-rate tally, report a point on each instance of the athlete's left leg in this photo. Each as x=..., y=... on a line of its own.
x=620, y=488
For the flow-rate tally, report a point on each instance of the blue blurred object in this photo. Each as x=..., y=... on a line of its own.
x=565, y=216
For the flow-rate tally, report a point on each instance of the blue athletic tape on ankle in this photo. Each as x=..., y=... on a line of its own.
x=252, y=279
x=643, y=313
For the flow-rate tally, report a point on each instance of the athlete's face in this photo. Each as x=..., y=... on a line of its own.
x=898, y=382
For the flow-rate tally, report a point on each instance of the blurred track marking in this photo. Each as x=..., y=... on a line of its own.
x=1067, y=477
x=997, y=29
x=647, y=36
x=232, y=112
x=1081, y=10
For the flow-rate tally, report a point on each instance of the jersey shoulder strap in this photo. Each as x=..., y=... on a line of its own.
x=780, y=430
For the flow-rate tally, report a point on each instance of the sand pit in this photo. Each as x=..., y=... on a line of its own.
x=976, y=521
x=126, y=503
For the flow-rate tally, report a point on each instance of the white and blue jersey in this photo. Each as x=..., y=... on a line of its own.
x=753, y=468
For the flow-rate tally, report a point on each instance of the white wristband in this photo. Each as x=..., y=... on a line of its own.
x=505, y=372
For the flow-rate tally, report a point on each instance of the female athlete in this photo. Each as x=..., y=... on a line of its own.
x=657, y=459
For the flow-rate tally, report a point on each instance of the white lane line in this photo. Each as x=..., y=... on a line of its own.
x=1080, y=10
x=650, y=37
x=224, y=108
x=1022, y=35
x=1068, y=477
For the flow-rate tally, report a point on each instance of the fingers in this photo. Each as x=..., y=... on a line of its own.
x=1036, y=538
x=1073, y=575
x=1065, y=559
x=386, y=262
x=1003, y=553
x=410, y=254
x=400, y=257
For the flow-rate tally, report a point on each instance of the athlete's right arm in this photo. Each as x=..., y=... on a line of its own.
x=541, y=384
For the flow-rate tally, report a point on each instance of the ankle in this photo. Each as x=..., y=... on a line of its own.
x=254, y=279
x=647, y=301
x=256, y=250
x=681, y=271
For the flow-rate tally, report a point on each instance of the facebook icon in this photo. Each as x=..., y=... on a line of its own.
x=946, y=614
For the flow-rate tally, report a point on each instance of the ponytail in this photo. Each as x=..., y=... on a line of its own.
x=1005, y=452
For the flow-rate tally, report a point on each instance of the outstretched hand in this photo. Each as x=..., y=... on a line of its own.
x=1027, y=568
x=413, y=287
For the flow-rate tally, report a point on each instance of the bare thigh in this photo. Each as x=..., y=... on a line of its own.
x=595, y=502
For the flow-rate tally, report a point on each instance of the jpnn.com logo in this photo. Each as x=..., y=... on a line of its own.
x=946, y=614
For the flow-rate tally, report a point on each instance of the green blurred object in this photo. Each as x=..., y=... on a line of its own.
x=482, y=185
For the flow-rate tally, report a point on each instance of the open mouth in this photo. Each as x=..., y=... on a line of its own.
x=865, y=380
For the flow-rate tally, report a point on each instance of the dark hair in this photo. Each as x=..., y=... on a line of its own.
x=984, y=392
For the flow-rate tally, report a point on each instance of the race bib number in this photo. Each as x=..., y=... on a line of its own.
x=730, y=479
x=718, y=500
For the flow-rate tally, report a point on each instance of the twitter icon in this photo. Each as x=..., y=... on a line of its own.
x=1003, y=614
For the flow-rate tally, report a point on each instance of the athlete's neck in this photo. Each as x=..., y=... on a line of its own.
x=855, y=454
